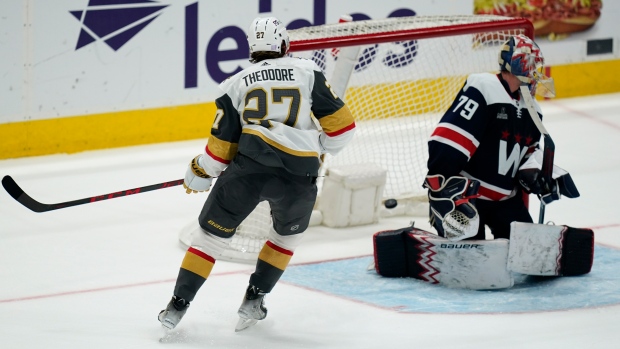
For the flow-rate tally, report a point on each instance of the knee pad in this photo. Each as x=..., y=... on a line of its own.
x=206, y=242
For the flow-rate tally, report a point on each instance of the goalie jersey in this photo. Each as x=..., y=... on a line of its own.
x=485, y=135
x=265, y=113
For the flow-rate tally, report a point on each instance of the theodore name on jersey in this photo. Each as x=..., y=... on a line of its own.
x=278, y=74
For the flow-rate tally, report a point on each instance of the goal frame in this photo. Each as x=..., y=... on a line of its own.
x=347, y=38
x=348, y=35
x=505, y=23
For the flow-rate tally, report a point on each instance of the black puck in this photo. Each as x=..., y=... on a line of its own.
x=390, y=203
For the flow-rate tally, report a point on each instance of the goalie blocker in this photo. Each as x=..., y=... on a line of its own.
x=534, y=249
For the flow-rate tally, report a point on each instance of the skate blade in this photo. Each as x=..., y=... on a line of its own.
x=242, y=324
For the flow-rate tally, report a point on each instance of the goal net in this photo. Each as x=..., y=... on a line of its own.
x=397, y=76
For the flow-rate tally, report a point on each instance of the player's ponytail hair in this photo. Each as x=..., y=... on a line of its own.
x=258, y=56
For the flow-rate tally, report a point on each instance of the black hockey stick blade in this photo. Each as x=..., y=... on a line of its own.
x=20, y=196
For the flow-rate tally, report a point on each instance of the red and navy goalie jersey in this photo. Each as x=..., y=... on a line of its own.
x=485, y=135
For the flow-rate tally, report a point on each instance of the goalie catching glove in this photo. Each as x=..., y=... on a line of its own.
x=196, y=179
x=451, y=212
x=531, y=179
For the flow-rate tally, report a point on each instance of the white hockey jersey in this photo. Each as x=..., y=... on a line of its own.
x=265, y=113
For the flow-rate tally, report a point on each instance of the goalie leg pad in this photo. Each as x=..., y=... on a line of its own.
x=577, y=252
x=390, y=253
x=550, y=250
x=474, y=264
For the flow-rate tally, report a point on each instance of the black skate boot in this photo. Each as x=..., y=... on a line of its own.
x=252, y=308
x=172, y=315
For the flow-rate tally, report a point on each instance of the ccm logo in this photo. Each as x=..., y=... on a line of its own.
x=461, y=246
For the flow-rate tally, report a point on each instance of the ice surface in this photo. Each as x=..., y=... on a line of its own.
x=96, y=276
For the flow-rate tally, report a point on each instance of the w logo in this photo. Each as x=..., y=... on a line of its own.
x=114, y=22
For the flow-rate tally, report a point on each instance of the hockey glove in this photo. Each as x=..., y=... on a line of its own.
x=196, y=179
x=451, y=212
x=533, y=182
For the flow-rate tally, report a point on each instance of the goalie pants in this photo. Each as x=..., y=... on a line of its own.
x=498, y=215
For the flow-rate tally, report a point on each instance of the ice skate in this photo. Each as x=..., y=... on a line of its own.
x=252, y=308
x=172, y=315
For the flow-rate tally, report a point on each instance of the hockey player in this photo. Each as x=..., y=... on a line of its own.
x=264, y=145
x=477, y=153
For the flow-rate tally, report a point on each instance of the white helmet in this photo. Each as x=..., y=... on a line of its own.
x=267, y=34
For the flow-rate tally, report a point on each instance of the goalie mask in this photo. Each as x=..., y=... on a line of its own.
x=522, y=57
x=266, y=35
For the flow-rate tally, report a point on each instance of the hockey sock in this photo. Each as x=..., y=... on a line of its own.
x=272, y=261
x=194, y=271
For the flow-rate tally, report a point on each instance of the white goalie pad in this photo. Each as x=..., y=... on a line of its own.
x=535, y=249
x=550, y=250
x=472, y=264
x=351, y=195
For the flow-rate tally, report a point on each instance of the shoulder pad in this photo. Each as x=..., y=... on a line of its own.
x=303, y=63
x=490, y=87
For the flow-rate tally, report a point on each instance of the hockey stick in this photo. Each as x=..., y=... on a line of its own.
x=20, y=196
x=548, y=149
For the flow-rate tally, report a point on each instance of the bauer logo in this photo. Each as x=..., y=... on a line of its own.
x=114, y=22
x=461, y=246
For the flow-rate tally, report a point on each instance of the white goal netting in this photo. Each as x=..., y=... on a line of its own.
x=397, y=76
x=405, y=75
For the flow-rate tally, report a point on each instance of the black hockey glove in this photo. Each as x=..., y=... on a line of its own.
x=533, y=182
x=452, y=209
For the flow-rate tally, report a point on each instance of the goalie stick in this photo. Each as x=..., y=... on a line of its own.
x=20, y=196
x=548, y=149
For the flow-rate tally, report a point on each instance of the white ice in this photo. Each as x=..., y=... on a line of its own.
x=96, y=276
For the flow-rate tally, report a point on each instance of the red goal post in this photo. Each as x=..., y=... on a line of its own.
x=397, y=75
x=374, y=31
